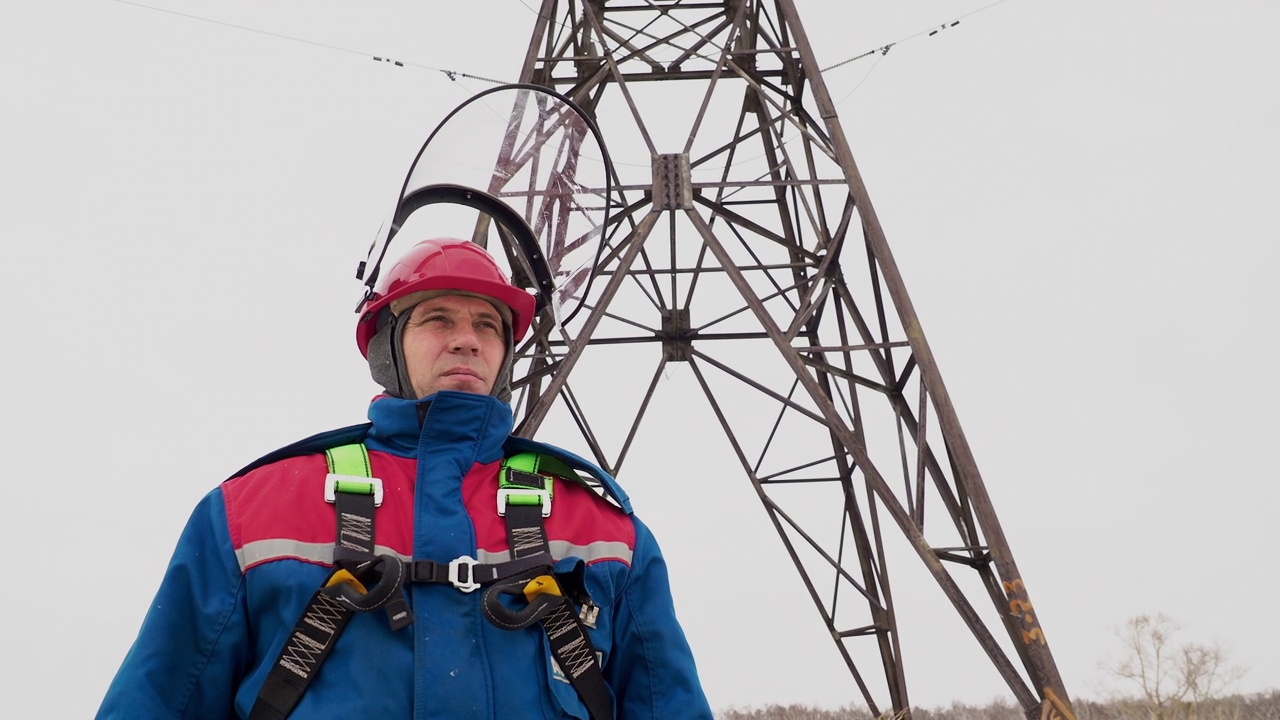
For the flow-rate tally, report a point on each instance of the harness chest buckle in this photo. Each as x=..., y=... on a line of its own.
x=455, y=574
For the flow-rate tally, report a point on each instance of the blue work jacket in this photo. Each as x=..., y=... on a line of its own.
x=257, y=548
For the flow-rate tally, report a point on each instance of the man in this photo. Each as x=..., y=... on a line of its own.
x=475, y=589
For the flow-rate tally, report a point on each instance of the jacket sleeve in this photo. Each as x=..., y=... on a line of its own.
x=190, y=652
x=652, y=672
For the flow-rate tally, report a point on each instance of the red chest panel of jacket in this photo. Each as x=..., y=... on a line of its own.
x=279, y=511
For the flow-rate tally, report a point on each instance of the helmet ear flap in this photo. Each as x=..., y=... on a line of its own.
x=386, y=356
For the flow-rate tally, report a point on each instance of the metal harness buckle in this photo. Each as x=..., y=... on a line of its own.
x=455, y=567
x=352, y=483
x=506, y=494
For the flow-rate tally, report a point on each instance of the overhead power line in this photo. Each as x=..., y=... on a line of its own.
x=451, y=74
x=927, y=32
x=455, y=74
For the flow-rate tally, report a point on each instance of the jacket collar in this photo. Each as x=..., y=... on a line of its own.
x=401, y=426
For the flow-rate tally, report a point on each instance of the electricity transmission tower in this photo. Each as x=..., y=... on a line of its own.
x=749, y=250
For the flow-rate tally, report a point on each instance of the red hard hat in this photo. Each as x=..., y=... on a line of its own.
x=444, y=264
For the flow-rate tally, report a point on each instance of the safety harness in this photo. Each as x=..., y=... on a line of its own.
x=365, y=581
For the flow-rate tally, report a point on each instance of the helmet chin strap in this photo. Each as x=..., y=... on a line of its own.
x=389, y=369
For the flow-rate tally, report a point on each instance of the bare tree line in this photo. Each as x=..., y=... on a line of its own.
x=1258, y=706
x=1161, y=679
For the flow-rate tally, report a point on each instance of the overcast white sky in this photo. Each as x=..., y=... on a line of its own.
x=1080, y=196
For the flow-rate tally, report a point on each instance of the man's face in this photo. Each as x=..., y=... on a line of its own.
x=453, y=342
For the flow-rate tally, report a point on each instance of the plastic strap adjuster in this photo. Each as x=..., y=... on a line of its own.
x=354, y=484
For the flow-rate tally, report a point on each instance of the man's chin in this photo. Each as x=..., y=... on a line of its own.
x=464, y=383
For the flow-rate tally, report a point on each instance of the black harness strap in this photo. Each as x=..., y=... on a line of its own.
x=355, y=528
x=309, y=644
x=360, y=582
x=566, y=630
x=467, y=574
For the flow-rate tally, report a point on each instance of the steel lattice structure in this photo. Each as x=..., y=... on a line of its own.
x=753, y=254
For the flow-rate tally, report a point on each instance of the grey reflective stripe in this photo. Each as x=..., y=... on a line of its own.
x=261, y=551
x=600, y=550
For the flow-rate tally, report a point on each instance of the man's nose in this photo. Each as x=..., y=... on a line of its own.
x=465, y=338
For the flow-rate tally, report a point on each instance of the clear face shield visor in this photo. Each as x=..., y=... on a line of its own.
x=522, y=172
